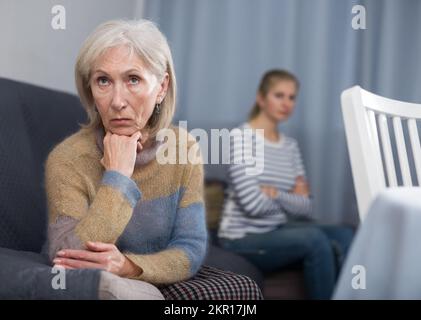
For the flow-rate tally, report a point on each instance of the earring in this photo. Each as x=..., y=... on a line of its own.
x=157, y=108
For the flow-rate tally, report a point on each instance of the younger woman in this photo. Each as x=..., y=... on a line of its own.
x=258, y=208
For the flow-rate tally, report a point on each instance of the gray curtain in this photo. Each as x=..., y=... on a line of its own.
x=221, y=49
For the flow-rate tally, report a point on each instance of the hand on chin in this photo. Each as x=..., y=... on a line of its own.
x=129, y=131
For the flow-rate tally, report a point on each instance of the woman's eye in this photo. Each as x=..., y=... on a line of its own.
x=102, y=81
x=134, y=80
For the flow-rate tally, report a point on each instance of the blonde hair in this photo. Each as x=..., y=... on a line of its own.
x=142, y=37
x=266, y=83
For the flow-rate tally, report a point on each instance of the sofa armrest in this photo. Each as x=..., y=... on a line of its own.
x=28, y=275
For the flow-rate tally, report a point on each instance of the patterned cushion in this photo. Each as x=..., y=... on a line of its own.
x=213, y=284
x=214, y=200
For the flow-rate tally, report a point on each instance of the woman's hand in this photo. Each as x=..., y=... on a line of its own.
x=270, y=191
x=99, y=255
x=120, y=152
x=301, y=187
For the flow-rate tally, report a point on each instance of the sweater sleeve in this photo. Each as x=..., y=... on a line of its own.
x=246, y=186
x=74, y=219
x=187, y=246
x=294, y=204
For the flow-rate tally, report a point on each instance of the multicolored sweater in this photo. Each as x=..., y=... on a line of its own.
x=156, y=218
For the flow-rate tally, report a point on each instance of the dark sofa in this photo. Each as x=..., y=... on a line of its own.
x=32, y=121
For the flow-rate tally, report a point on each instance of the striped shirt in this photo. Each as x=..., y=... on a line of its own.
x=247, y=209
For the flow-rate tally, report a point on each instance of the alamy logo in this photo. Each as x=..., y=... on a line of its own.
x=359, y=20
x=59, y=19
x=59, y=280
x=358, y=281
x=247, y=143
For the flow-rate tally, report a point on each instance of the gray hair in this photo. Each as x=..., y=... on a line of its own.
x=146, y=40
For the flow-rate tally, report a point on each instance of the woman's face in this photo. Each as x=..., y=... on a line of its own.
x=125, y=91
x=279, y=102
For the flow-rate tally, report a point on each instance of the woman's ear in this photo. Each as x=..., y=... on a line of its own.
x=259, y=100
x=163, y=87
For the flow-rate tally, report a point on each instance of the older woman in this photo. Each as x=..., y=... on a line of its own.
x=112, y=206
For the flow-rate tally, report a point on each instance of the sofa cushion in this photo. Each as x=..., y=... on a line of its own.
x=32, y=121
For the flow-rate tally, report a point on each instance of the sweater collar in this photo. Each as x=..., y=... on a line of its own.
x=142, y=158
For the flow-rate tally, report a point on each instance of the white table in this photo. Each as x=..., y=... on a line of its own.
x=387, y=248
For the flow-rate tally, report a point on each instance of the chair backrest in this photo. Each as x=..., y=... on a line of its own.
x=383, y=143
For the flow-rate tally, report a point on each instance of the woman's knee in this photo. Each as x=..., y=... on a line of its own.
x=113, y=287
x=316, y=240
x=347, y=235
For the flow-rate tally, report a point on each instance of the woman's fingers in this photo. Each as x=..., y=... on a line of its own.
x=77, y=264
x=300, y=181
x=270, y=191
x=145, y=136
x=139, y=147
x=80, y=255
x=99, y=246
x=62, y=266
x=106, y=137
x=274, y=192
x=136, y=136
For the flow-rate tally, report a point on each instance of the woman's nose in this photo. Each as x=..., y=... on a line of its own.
x=118, y=101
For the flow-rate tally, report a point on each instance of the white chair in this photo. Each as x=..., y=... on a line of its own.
x=375, y=132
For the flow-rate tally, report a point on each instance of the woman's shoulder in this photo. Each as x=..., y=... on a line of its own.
x=242, y=126
x=81, y=143
x=288, y=140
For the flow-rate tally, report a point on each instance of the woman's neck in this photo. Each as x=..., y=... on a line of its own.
x=269, y=126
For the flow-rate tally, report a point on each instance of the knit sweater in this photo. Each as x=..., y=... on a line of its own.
x=156, y=217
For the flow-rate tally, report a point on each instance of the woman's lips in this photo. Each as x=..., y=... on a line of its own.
x=283, y=112
x=121, y=122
